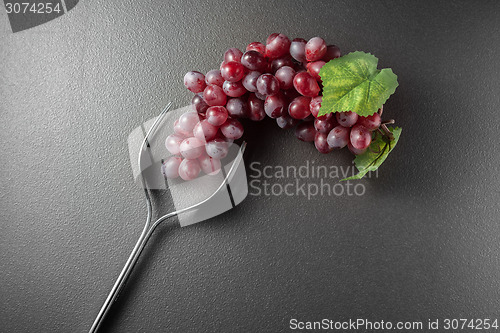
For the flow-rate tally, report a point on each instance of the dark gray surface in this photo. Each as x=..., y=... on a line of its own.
x=423, y=242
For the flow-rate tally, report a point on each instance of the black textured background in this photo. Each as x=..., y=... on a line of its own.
x=423, y=242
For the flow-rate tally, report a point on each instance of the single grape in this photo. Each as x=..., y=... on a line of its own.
x=233, y=54
x=189, y=169
x=237, y=108
x=321, y=144
x=191, y=148
x=188, y=121
x=315, y=105
x=298, y=49
x=214, y=77
x=214, y=95
x=255, y=108
x=253, y=60
x=233, y=89
x=305, y=131
x=257, y=46
x=170, y=167
x=199, y=104
x=194, y=81
x=277, y=45
x=280, y=62
x=324, y=125
x=338, y=137
x=209, y=165
x=371, y=122
x=361, y=137
x=217, y=148
x=285, y=76
x=172, y=142
x=305, y=84
x=285, y=121
x=354, y=150
x=332, y=52
x=314, y=67
x=315, y=49
x=216, y=115
x=204, y=131
x=271, y=37
x=232, y=129
x=347, y=119
x=250, y=81
x=179, y=131
x=299, y=107
x=275, y=106
x=267, y=85
x=232, y=71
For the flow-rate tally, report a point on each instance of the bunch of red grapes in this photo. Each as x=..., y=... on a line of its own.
x=281, y=80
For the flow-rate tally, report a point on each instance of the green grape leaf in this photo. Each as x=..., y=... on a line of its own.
x=353, y=83
x=376, y=154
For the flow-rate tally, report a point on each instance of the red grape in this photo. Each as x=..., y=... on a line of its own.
x=267, y=85
x=275, y=106
x=321, y=144
x=217, y=148
x=204, y=131
x=298, y=49
x=237, y=108
x=214, y=77
x=179, y=131
x=194, y=81
x=299, y=107
x=172, y=142
x=209, y=165
x=255, y=108
x=232, y=129
x=338, y=137
x=285, y=121
x=256, y=46
x=324, y=125
x=170, y=168
x=280, y=62
x=250, y=81
x=347, y=119
x=216, y=115
x=355, y=151
x=315, y=49
x=188, y=121
x=360, y=137
x=371, y=122
x=199, y=104
x=232, y=71
x=253, y=60
x=285, y=76
x=233, y=89
x=214, y=95
x=189, y=169
x=277, y=45
x=305, y=131
x=233, y=54
x=306, y=85
x=332, y=52
x=191, y=148
x=314, y=67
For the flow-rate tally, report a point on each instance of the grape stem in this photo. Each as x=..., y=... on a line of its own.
x=383, y=126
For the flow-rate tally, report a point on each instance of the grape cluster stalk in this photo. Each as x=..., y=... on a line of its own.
x=279, y=80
